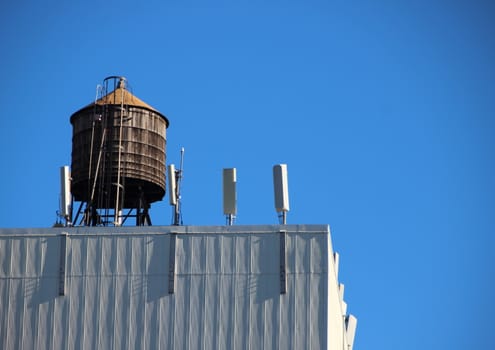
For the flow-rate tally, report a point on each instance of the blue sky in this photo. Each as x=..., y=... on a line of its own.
x=383, y=111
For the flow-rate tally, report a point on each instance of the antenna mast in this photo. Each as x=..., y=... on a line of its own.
x=65, y=196
x=175, y=179
x=281, y=189
x=230, y=194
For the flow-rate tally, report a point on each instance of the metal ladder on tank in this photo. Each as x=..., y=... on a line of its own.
x=103, y=174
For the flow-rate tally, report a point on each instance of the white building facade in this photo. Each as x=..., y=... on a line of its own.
x=172, y=287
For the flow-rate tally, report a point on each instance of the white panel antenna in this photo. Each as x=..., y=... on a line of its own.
x=351, y=324
x=230, y=194
x=65, y=195
x=172, y=185
x=336, y=259
x=174, y=182
x=341, y=291
x=281, y=190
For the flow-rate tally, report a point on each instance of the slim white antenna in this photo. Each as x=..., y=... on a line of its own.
x=65, y=195
x=351, y=323
x=172, y=185
x=230, y=194
x=281, y=191
x=175, y=177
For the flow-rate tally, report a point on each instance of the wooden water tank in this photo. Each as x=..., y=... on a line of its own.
x=118, y=121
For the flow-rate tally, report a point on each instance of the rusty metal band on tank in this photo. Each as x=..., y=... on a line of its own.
x=118, y=151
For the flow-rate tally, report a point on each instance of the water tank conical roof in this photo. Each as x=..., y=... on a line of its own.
x=120, y=95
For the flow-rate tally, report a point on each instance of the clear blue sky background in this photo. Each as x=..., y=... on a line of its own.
x=383, y=111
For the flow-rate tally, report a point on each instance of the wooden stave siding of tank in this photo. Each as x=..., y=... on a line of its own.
x=143, y=152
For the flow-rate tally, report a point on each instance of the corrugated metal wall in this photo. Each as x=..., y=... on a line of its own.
x=226, y=291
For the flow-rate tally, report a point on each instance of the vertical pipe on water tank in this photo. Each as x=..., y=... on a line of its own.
x=93, y=124
x=118, y=212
